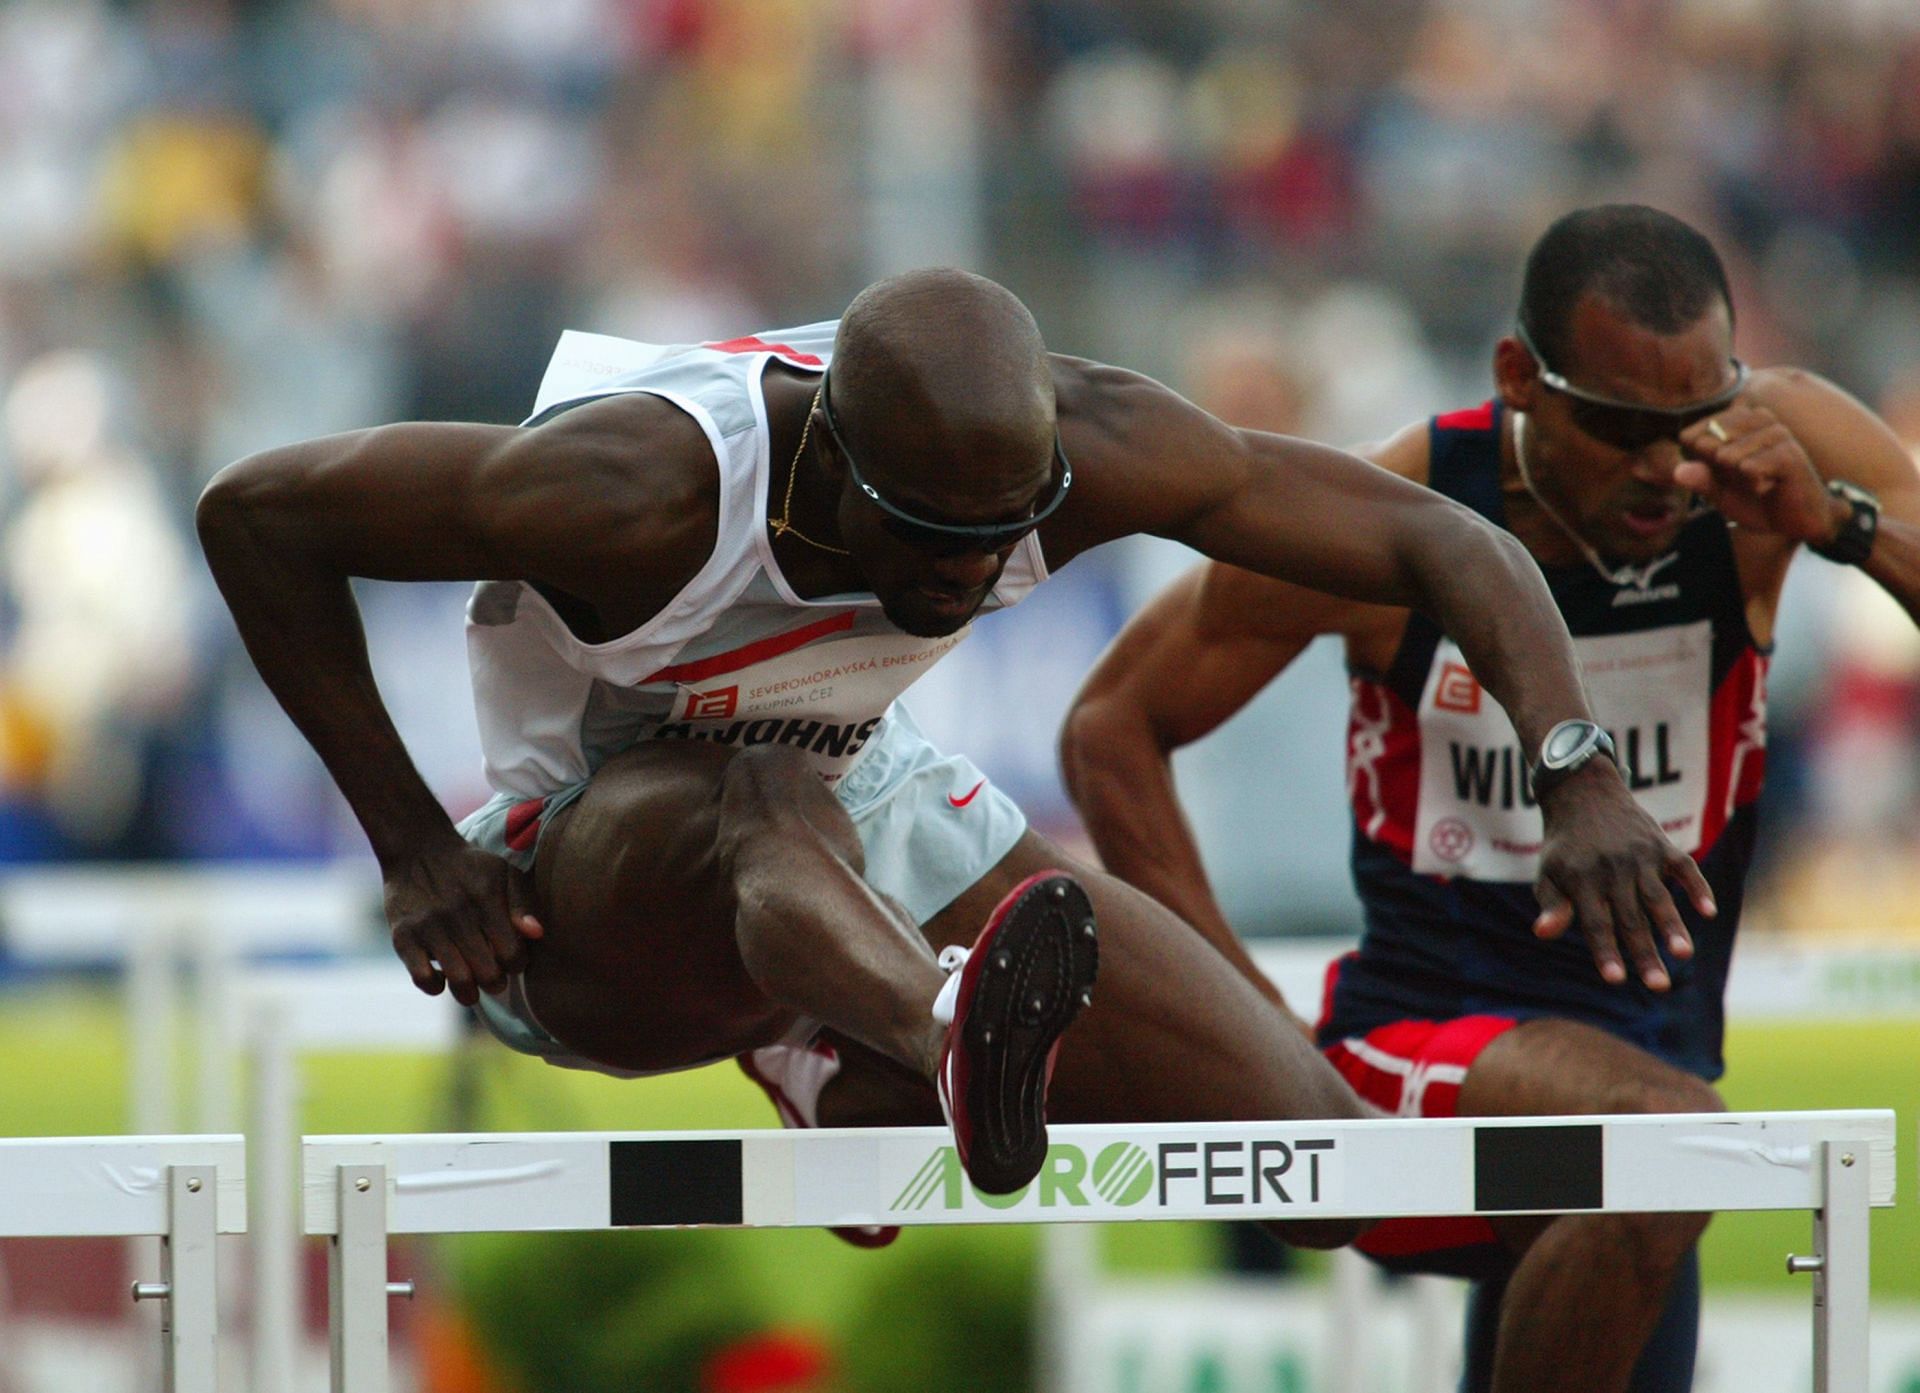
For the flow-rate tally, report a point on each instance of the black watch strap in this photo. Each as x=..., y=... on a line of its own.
x=1569, y=747
x=1854, y=543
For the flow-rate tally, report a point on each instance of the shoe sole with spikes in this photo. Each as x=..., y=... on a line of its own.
x=1028, y=975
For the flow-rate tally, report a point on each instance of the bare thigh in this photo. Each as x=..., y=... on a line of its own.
x=1549, y=1067
x=1175, y=1032
x=640, y=967
x=1546, y=1066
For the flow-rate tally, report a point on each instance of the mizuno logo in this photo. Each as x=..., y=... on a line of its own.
x=967, y=798
x=1636, y=584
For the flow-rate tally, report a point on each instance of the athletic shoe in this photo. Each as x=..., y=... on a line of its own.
x=1006, y=1004
x=793, y=1076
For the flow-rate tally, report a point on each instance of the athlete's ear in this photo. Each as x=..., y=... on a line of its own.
x=1515, y=374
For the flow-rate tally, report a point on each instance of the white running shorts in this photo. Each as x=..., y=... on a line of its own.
x=930, y=824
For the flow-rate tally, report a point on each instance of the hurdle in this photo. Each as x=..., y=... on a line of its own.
x=183, y=1190
x=358, y=1190
x=279, y=1012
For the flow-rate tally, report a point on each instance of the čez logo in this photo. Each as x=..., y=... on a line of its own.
x=1122, y=1174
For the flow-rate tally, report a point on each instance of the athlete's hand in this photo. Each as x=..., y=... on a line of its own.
x=1604, y=866
x=1747, y=464
x=461, y=918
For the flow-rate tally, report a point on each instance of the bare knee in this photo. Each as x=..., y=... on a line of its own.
x=773, y=806
x=1650, y=1247
x=1667, y=1092
x=1551, y=1067
x=759, y=773
x=783, y=843
x=1655, y=1244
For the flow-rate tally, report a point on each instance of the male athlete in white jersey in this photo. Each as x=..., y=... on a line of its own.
x=1621, y=413
x=704, y=581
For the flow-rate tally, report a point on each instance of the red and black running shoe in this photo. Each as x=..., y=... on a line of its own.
x=1012, y=996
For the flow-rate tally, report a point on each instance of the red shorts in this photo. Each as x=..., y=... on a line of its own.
x=1415, y=1069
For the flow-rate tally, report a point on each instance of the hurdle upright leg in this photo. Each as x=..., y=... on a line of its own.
x=1840, y=1270
x=190, y=1269
x=357, y=1282
x=188, y=1289
x=147, y=987
x=274, y=1251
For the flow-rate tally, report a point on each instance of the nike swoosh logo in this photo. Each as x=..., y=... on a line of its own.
x=962, y=802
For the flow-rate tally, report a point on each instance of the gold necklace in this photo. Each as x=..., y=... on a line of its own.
x=780, y=525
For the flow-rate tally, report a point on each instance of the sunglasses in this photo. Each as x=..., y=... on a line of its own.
x=947, y=538
x=1624, y=425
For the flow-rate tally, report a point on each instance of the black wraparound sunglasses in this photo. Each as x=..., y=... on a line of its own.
x=1624, y=424
x=948, y=538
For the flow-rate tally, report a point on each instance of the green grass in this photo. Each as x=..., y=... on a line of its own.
x=1838, y=1064
x=63, y=1065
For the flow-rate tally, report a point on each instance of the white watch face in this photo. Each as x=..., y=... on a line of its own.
x=1564, y=742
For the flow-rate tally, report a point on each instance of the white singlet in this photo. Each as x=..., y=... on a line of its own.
x=736, y=656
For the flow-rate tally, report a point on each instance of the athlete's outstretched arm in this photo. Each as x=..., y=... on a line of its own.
x=1194, y=656
x=283, y=532
x=1317, y=517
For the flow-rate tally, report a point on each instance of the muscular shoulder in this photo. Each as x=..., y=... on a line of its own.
x=633, y=453
x=1111, y=415
x=1786, y=388
x=1137, y=448
x=1408, y=452
x=1116, y=412
x=624, y=487
x=1800, y=398
x=1237, y=602
x=1146, y=459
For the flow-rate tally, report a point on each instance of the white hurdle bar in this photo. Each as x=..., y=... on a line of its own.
x=183, y=1190
x=358, y=1190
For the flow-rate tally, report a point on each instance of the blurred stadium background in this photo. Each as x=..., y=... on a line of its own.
x=225, y=224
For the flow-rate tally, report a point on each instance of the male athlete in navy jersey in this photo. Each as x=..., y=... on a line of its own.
x=1663, y=488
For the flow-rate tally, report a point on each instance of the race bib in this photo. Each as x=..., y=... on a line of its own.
x=1476, y=817
x=826, y=699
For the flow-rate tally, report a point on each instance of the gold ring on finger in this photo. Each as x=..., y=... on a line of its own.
x=1716, y=430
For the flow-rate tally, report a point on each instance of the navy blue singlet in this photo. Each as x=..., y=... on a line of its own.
x=1446, y=837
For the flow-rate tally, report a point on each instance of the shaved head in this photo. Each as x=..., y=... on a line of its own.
x=937, y=434
x=937, y=367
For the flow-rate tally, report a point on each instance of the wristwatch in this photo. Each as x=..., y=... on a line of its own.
x=1854, y=542
x=1568, y=748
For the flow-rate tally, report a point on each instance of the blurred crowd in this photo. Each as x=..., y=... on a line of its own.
x=228, y=224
